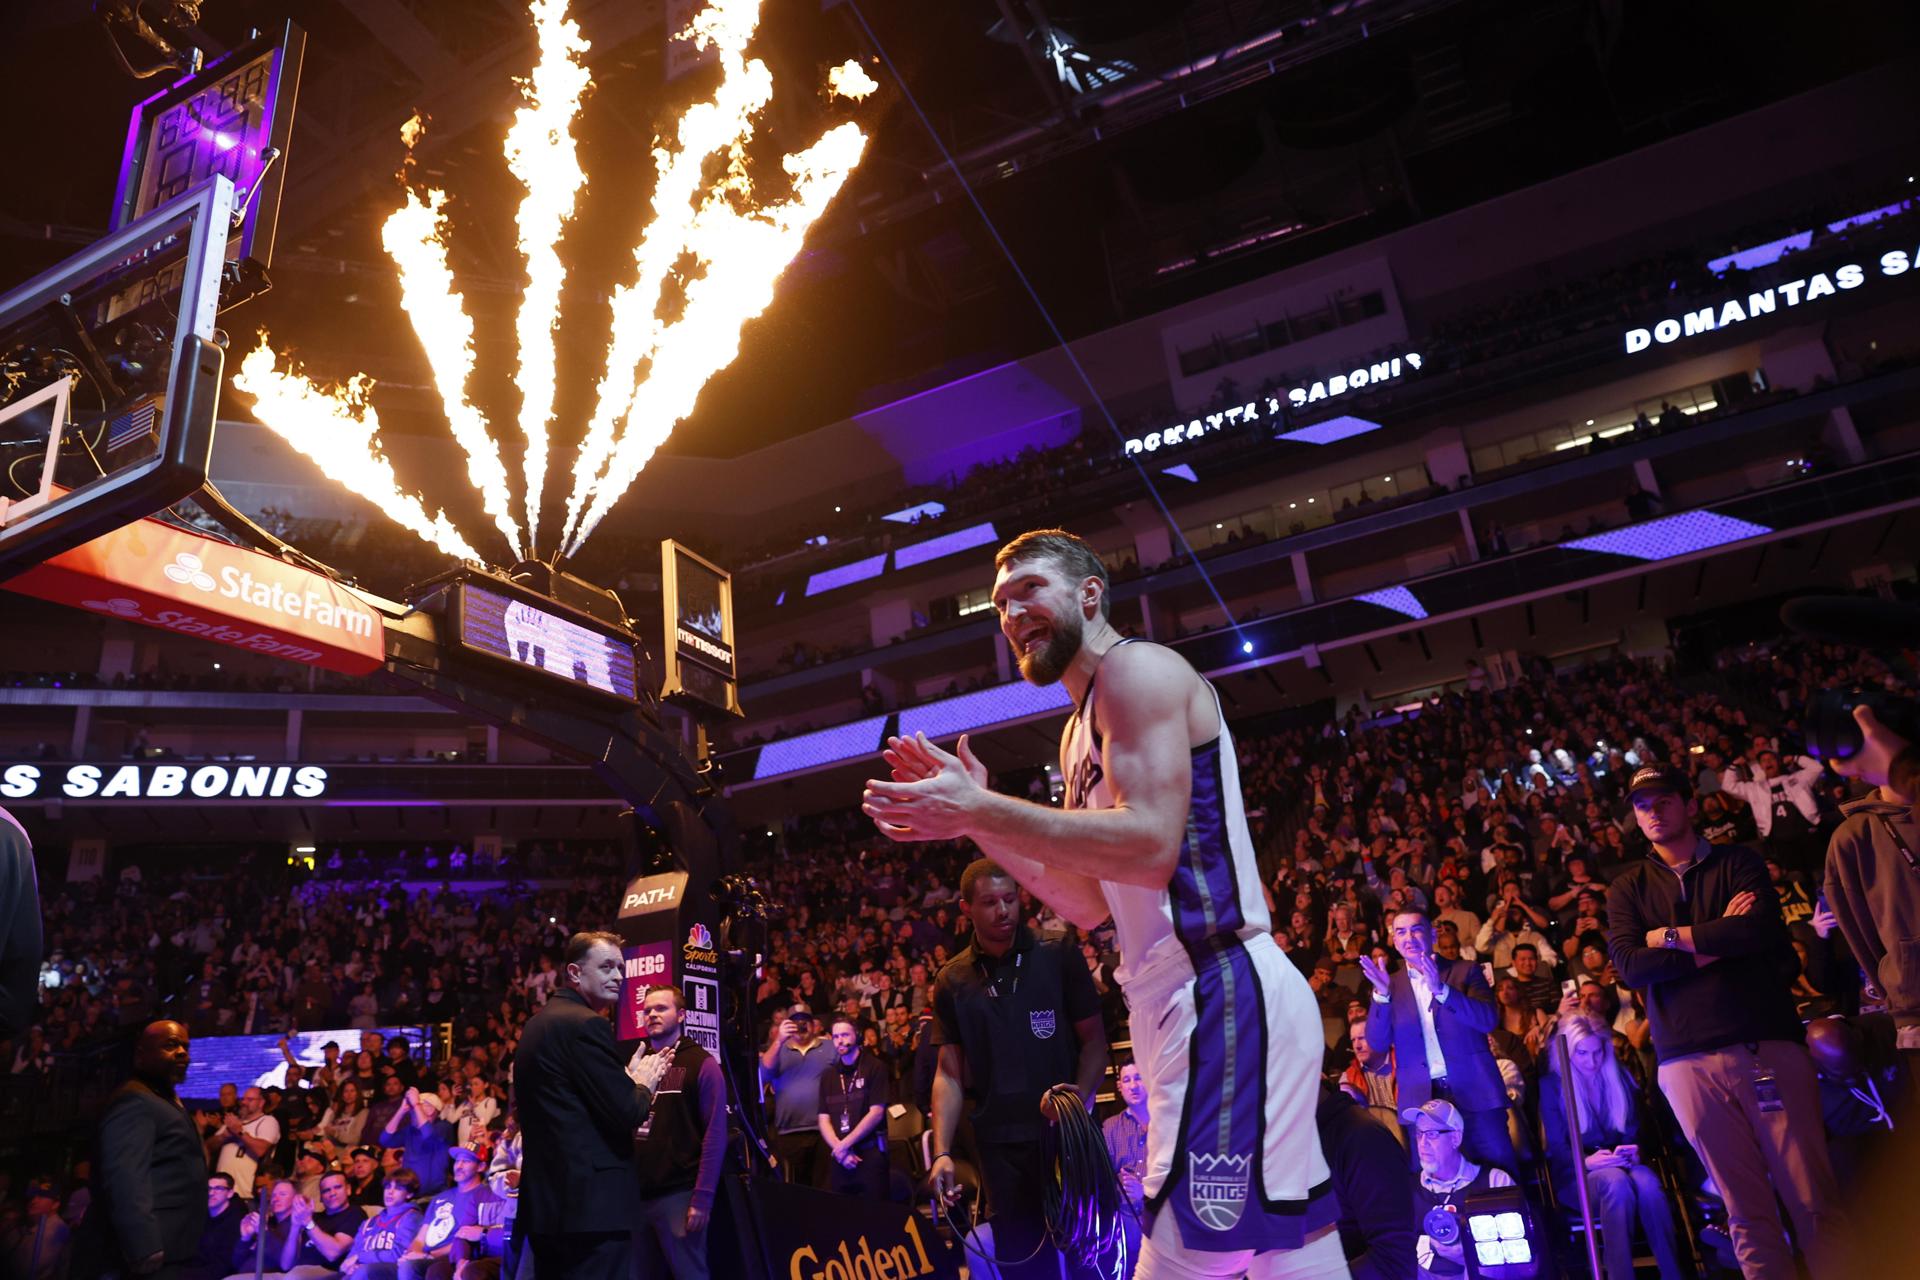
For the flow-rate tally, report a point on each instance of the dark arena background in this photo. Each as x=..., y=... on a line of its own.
x=481, y=471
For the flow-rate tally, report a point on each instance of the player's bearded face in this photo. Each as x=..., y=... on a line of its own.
x=1047, y=660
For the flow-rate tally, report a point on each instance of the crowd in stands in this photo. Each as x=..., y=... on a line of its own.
x=1497, y=807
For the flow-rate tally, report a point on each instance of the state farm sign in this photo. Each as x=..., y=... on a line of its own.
x=161, y=576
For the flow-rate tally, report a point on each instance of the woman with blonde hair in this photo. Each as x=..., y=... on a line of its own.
x=1619, y=1187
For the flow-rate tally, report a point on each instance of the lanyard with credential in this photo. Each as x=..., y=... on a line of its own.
x=993, y=979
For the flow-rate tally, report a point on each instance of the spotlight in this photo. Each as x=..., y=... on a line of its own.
x=1246, y=646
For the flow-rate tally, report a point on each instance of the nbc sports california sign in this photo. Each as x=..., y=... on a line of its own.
x=161, y=576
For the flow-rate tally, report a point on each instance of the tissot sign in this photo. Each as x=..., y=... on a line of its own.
x=104, y=782
x=160, y=576
x=1785, y=296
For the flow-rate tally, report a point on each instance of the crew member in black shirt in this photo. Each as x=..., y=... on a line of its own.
x=853, y=1116
x=1012, y=1016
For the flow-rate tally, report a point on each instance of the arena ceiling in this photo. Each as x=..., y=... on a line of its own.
x=1134, y=153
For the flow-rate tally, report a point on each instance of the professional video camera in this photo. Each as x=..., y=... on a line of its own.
x=1888, y=626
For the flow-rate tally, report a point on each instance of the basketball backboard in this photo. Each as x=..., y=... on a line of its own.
x=110, y=378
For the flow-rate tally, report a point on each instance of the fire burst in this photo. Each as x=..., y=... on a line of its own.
x=655, y=368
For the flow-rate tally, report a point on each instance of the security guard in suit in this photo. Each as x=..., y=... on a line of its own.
x=150, y=1171
x=579, y=1109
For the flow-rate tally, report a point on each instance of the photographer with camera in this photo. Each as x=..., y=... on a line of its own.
x=1445, y=1181
x=1873, y=870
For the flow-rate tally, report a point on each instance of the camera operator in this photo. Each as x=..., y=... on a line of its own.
x=796, y=1057
x=1873, y=871
x=1445, y=1181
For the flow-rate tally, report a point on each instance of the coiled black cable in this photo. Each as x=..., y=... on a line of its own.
x=1083, y=1200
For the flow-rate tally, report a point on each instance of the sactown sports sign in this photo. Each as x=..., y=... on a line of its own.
x=1269, y=408
x=165, y=577
x=1784, y=296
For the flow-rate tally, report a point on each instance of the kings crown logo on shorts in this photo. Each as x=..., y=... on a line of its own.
x=1217, y=1188
x=1041, y=1020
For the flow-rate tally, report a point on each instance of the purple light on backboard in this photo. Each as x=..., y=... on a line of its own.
x=924, y=511
x=1344, y=427
x=821, y=747
x=970, y=711
x=781, y=600
x=1671, y=536
x=1398, y=599
x=946, y=544
x=858, y=571
x=1185, y=472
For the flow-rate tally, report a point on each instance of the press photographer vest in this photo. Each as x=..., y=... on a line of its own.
x=667, y=1158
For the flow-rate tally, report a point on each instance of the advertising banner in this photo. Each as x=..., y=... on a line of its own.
x=161, y=576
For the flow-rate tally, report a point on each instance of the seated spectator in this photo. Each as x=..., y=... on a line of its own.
x=1522, y=1031
x=365, y=1182
x=1368, y=1079
x=38, y=1246
x=344, y=1123
x=383, y=1238
x=221, y=1236
x=455, y=1225
x=1620, y=1187
x=284, y=1228
x=327, y=1232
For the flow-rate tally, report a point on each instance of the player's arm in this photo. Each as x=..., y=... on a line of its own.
x=1148, y=762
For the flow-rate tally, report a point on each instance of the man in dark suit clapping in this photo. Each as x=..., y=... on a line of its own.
x=579, y=1109
x=1437, y=1015
x=150, y=1181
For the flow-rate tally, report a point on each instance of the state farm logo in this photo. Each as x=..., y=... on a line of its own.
x=188, y=569
x=119, y=607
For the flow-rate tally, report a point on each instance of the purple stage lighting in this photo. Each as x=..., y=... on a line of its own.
x=970, y=711
x=858, y=571
x=1398, y=599
x=823, y=746
x=1184, y=472
x=946, y=544
x=1671, y=536
x=1344, y=427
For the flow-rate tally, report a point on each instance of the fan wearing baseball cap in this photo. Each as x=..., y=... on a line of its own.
x=1696, y=927
x=1446, y=1179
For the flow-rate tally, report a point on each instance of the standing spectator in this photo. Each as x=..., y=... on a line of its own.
x=20, y=929
x=1732, y=1053
x=427, y=1139
x=150, y=1205
x=1368, y=1079
x=795, y=1059
x=1536, y=988
x=1368, y=1167
x=243, y=1140
x=382, y=1109
x=853, y=1116
x=345, y=1121
x=503, y=1175
x=1620, y=1187
x=474, y=1113
x=1784, y=807
x=382, y=1239
x=36, y=1248
x=1437, y=1023
x=681, y=1147
x=1447, y=1178
x=1126, y=1134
